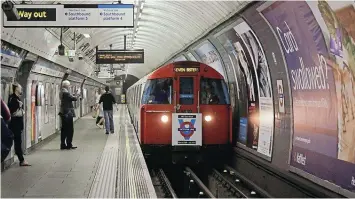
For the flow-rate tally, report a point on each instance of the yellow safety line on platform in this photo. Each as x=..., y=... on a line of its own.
x=132, y=186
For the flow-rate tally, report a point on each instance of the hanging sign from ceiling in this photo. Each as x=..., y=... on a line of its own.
x=120, y=57
x=72, y=15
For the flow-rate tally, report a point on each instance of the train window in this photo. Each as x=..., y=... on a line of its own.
x=186, y=90
x=158, y=91
x=47, y=93
x=52, y=95
x=213, y=91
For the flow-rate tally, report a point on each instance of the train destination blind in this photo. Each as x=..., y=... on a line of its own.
x=120, y=57
x=72, y=15
x=186, y=69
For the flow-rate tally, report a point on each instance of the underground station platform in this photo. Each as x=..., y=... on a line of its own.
x=103, y=166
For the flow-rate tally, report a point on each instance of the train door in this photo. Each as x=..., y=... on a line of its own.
x=186, y=95
x=186, y=122
x=33, y=112
x=57, y=104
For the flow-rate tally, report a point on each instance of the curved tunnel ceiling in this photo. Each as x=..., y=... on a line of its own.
x=162, y=29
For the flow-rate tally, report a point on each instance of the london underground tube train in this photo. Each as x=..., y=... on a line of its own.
x=181, y=111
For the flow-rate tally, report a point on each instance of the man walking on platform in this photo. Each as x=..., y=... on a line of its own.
x=67, y=114
x=108, y=100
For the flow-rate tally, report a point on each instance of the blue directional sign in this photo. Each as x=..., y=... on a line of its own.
x=72, y=15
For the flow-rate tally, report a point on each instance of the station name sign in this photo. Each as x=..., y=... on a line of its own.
x=120, y=57
x=72, y=15
x=186, y=70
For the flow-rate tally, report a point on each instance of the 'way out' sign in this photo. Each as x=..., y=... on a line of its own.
x=72, y=15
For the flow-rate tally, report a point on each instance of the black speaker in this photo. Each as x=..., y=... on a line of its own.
x=61, y=50
x=10, y=11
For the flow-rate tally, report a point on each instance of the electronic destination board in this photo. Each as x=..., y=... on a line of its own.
x=186, y=70
x=72, y=15
x=120, y=57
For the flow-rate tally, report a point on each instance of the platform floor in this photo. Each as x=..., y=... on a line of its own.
x=103, y=166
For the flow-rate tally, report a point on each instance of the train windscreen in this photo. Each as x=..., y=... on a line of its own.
x=213, y=91
x=158, y=91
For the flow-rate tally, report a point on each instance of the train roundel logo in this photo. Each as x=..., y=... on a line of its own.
x=187, y=129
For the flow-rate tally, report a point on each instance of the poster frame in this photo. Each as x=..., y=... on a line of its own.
x=195, y=48
x=238, y=144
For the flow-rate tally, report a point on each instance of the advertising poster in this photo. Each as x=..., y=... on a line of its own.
x=249, y=91
x=10, y=55
x=243, y=45
x=187, y=129
x=254, y=49
x=317, y=39
x=209, y=55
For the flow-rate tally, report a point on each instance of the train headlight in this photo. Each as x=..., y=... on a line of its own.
x=164, y=118
x=208, y=118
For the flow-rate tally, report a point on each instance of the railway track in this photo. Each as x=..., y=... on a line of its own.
x=196, y=188
x=210, y=183
x=162, y=184
x=225, y=184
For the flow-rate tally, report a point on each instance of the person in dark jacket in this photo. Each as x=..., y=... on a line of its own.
x=17, y=124
x=107, y=100
x=67, y=114
x=7, y=136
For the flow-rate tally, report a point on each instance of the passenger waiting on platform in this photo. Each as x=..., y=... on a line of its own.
x=67, y=114
x=7, y=136
x=17, y=124
x=108, y=100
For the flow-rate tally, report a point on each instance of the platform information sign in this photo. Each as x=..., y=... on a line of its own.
x=120, y=57
x=187, y=129
x=72, y=15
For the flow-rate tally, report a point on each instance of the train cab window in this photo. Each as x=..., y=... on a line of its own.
x=158, y=91
x=213, y=91
x=186, y=93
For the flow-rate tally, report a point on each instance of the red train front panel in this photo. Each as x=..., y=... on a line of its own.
x=186, y=96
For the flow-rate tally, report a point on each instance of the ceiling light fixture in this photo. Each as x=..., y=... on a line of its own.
x=142, y=5
x=86, y=35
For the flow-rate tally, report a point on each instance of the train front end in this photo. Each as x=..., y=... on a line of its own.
x=186, y=114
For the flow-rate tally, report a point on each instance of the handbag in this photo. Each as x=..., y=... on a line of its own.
x=19, y=112
x=95, y=113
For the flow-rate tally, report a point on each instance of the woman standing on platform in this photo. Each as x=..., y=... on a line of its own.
x=17, y=124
